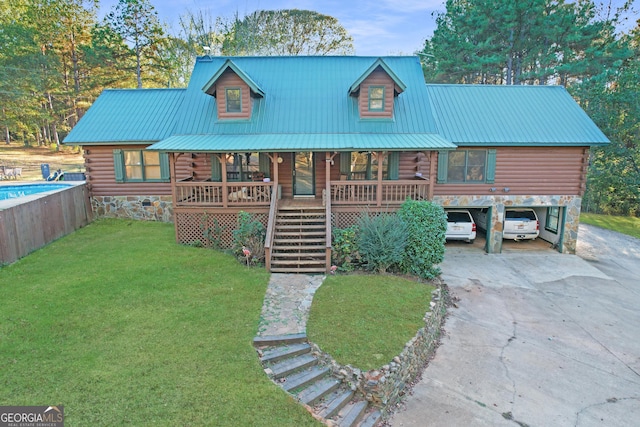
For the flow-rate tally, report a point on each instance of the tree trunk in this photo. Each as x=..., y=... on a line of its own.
x=56, y=136
x=510, y=58
x=7, y=135
x=138, y=73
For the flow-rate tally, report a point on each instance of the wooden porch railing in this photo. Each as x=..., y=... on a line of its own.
x=366, y=192
x=218, y=194
x=271, y=225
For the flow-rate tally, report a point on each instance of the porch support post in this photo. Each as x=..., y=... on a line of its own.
x=225, y=192
x=380, y=156
x=328, y=160
x=432, y=173
x=172, y=177
x=276, y=166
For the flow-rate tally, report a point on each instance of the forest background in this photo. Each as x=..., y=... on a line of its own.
x=56, y=57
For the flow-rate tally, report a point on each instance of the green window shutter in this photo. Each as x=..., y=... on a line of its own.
x=216, y=169
x=443, y=166
x=165, y=171
x=118, y=165
x=394, y=164
x=264, y=164
x=491, y=166
x=345, y=163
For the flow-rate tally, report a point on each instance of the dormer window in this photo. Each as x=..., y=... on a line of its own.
x=234, y=91
x=376, y=90
x=376, y=98
x=233, y=96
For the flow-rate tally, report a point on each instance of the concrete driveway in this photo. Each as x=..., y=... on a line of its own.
x=538, y=339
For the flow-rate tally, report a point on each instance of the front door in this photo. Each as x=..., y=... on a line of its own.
x=303, y=174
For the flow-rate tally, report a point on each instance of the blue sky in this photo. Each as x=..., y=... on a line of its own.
x=378, y=27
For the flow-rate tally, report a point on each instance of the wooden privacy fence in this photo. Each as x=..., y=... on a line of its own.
x=27, y=226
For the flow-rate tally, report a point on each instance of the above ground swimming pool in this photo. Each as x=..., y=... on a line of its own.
x=15, y=191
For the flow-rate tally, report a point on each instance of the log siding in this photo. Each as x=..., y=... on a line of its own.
x=530, y=170
x=230, y=80
x=101, y=176
x=377, y=78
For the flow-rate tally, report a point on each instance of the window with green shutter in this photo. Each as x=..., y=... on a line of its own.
x=141, y=166
x=394, y=165
x=467, y=166
x=364, y=165
x=264, y=165
x=216, y=168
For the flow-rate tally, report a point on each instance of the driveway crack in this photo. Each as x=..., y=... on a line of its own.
x=609, y=401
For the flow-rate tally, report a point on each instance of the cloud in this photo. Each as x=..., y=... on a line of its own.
x=409, y=6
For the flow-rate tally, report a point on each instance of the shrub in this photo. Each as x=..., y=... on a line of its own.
x=426, y=226
x=382, y=241
x=344, y=248
x=249, y=234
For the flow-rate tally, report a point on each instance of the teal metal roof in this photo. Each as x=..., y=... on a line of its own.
x=128, y=116
x=511, y=115
x=302, y=142
x=230, y=65
x=306, y=95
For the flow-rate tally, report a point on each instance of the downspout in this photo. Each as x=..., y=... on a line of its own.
x=433, y=158
x=174, y=197
x=225, y=193
x=380, y=155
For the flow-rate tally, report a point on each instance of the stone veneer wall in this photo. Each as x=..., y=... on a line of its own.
x=385, y=387
x=149, y=208
x=500, y=202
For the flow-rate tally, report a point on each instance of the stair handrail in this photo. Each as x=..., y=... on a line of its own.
x=268, y=240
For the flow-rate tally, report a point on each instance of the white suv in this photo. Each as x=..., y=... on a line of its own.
x=520, y=224
x=460, y=225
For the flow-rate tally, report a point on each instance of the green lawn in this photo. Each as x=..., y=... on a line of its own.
x=365, y=320
x=121, y=325
x=622, y=224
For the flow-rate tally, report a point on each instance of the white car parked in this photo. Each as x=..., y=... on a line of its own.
x=520, y=224
x=460, y=225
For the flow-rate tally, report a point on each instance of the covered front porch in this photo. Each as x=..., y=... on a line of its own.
x=329, y=177
x=298, y=196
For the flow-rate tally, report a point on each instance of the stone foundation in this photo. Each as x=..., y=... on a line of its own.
x=147, y=208
x=386, y=386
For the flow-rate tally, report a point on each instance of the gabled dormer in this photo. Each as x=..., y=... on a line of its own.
x=233, y=90
x=376, y=89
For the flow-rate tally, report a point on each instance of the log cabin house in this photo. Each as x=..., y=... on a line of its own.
x=310, y=143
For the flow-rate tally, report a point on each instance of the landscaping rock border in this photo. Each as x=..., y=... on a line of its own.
x=385, y=387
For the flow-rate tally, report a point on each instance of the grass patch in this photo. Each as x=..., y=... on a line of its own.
x=365, y=320
x=122, y=326
x=622, y=224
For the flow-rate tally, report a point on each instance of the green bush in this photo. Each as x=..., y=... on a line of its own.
x=382, y=241
x=426, y=226
x=250, y=234
x=344, y=248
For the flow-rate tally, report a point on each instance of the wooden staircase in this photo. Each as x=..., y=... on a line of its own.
x=299, y=240
x=289, y=362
